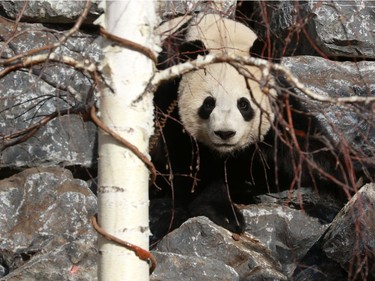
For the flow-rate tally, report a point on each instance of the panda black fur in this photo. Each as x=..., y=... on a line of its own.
x=230, y=117
x=184, y=164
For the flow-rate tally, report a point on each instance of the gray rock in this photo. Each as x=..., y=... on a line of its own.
x=333, y=78
x=285, y=18
x=323, y=206
x=350, y=240
x=199, y=237
x=336, y=29
x=30, y=95
x=172, y=267
x=344, y=28
x=351, y=123
x=66, y=141
x=45, y=230
x=170, y=9
x=50, y=11
x=288, y=233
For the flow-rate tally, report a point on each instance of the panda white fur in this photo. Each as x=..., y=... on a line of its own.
x=219, y=35
x=224, y=110
x=233, y=111
x=220, y=108
x=227, y=113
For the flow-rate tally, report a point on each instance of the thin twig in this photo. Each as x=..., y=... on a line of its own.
x=25, y=134
x=62, y=40
x=129, y=44
x=86, y=65
x=126, y=143
x=138, y=251
x=183, y=68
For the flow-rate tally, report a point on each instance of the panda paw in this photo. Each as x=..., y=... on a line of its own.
x=214, y=204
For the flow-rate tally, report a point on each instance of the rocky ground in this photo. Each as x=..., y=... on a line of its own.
x=47, y=191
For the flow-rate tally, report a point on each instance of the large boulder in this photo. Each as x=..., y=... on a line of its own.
x=350, y=240
x=334, y=29
x=29, y=96
x=49, y=11
x=45, y=229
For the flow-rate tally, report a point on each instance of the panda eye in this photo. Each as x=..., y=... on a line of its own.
x=209, y=103
x=207, y=107
x=243, y=104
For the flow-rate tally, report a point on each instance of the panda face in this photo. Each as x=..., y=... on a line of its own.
x=221, y=110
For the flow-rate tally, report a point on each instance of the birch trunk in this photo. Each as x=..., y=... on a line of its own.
x=123, y=178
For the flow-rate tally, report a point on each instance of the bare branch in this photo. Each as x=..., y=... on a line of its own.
x=86, y=65
x=201, y=62
x=62, y=40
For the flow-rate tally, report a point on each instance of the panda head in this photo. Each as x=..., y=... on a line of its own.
x=218, y=106
x=224, y=110
x=186, y=37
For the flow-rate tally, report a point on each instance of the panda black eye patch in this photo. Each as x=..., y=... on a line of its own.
x=192, y=49
x=207, y=107
x=243, y=105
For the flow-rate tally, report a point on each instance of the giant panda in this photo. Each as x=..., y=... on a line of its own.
x=219, y=113
x=222, y=133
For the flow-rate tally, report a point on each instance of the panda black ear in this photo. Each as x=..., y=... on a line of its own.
x=190, y=50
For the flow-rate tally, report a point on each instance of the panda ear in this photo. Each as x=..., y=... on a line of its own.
x=191, y=49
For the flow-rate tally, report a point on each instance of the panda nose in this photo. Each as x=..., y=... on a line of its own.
x=225, y=134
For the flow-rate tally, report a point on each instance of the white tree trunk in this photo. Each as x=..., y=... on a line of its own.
x=123, y=178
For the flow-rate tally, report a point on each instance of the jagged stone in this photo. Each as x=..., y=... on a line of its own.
x=350, y=240
x=334, y=29
x=45, y=230
x=343, y=28
x=343, y=124
x=200, y=237
x=49, y=11
x=288, y=233
x=323, y=206
x=170, y=9
x=172, y=267
x=29, y=96
x=66, y=141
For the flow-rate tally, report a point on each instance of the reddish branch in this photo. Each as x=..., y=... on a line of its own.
x=183, y=68
x=138, y=251
x=126, y=143
x=23, y=135
x=62, y=40
x=35, y=56
x=129, y=44
x=161, y=124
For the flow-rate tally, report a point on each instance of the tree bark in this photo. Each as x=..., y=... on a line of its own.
x=127, y=110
